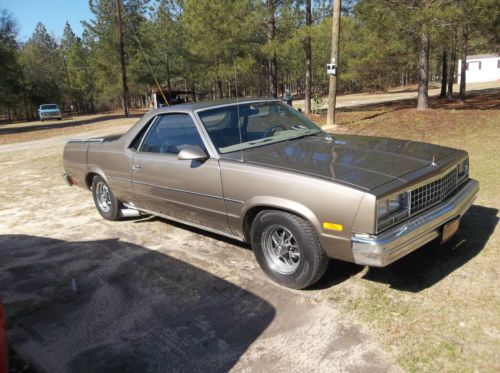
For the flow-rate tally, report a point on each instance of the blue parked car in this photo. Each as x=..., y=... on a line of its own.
x=49, y=111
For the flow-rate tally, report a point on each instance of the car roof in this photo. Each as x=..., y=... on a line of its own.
x=195, y=106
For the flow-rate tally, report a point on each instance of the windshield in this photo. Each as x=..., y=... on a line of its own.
x=49, y=107
x=242, y=126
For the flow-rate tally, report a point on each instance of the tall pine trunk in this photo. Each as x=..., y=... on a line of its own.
x=463, y=69
x=444, y=74
x=272, y=69
x=423, y=84
x=169, y=86
x=451, y=74
x=220, y=90
x=308, y=51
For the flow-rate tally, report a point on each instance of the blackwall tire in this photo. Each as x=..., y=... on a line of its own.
x=287, y=249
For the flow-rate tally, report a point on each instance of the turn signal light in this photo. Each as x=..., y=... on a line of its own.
x=333, y=226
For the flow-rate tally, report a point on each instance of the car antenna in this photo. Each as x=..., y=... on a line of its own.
x=238, y=110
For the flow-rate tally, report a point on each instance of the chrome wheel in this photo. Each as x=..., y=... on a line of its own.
x=281, y=249
x=103, y=197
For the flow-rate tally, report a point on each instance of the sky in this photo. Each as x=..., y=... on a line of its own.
x=52, y=13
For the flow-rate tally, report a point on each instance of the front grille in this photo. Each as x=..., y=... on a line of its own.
x=434, y=192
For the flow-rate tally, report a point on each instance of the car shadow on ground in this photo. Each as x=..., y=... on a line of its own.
x=433, y=262
x=414, y=272
x=38, y=126
x=113, y=306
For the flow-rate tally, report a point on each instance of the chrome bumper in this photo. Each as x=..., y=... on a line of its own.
x=396, y=242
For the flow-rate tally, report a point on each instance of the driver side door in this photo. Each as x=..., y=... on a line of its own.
x=186, y=190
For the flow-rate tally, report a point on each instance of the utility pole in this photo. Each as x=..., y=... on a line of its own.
x=68, y=83
x=332, y=89
x=307, y=49
x=125, y=97
x=271, y=31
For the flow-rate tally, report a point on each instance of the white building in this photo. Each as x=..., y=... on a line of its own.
x=481, y=68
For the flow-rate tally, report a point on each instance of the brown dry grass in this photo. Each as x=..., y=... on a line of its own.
x=439, y=308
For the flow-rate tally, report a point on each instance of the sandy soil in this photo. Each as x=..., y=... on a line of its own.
x=84, y=294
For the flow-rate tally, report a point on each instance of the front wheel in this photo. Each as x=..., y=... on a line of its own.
x=287, y=249
x=105, y=201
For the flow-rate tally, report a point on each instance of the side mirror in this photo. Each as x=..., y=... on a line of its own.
x=192, y=153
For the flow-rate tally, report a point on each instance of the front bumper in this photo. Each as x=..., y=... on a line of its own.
x=391, y=245
x=50, y=115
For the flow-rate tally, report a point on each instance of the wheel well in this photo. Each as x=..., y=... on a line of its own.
x=253, y=212
x=89, y=178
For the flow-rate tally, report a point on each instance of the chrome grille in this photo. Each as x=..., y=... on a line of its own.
x=434, y=192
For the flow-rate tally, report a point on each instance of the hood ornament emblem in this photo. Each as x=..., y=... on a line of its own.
x=434, y=159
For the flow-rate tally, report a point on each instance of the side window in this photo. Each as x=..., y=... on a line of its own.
x=170, y=133
x=137, y=141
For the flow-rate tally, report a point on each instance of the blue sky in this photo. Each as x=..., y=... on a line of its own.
x=52, y=13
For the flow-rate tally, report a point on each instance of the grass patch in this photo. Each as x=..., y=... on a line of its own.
x=438, y=308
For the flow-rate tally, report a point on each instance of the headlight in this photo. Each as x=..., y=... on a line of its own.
x=392, y=209
x=391, y=204
x=463, y=168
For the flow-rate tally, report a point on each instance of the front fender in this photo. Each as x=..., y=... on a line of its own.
x=283, y=204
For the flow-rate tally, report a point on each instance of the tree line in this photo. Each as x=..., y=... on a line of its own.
x=228, y=48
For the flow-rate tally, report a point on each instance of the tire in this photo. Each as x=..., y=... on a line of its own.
x=287, y=249
x=105, y=201
x=59, y=118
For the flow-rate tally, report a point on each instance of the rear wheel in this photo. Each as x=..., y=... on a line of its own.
x=287, y=249
x=105, y=201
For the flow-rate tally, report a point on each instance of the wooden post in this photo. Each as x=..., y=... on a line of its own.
x=332, y=89
x=125, y=97
x=307, y=48
x=68, y=83
x=463, y=67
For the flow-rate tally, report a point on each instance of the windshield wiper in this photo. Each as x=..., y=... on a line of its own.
x=305, y=135
x=260, y=141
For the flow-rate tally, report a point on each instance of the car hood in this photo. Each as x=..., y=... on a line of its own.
x=49, y=110
x=362, y=161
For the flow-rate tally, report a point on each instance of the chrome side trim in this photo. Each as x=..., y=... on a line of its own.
x=202, y=227
x=178, y=190
x=85, y=141
x=234, y=200
x=396, y=242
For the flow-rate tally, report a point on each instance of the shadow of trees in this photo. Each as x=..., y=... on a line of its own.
x=486, y=99
x=113, y=306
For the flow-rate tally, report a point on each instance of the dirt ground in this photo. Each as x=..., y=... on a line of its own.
x=393, y=94
x=84, y=294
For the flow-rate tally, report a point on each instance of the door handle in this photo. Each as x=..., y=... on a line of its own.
x=135, y=167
